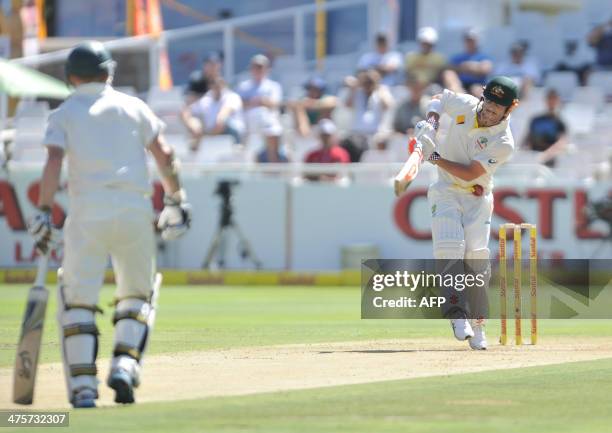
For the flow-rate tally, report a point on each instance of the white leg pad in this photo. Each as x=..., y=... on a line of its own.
x=448, y=241
x=133, y=322
x=79, y=340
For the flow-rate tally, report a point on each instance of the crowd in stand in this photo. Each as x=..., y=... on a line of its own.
x=377, y=108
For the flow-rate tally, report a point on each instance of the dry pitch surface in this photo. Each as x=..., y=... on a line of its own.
x=241, y=371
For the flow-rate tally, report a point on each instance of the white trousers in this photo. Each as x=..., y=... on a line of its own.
x=461, y=227
x=461, y=222
x=126, y=235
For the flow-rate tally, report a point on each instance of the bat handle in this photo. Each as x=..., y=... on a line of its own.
x=41, y=271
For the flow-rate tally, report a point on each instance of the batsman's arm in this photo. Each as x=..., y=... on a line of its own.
x=466, y=172
x=167, y=165
x=193, y=124
x=50, y=181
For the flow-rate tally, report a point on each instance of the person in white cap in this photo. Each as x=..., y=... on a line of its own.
x=260, y=95
x=329, y=152
x=272, y=152
x=426, y=65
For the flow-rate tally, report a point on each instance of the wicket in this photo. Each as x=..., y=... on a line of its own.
x=503, y=284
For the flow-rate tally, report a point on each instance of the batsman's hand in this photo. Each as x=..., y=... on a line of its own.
x=425, y=135
x=41, y=229
x=175, y=218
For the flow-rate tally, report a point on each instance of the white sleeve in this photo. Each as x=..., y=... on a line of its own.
x=55, y=134
x=235, y=102
x=392, y=59
x=196, y=109
x=450, y=103
x=150, y=125
x=276, y=93
x=496, y=154
x=243, y=88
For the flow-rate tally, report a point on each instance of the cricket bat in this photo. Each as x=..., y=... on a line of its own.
x=28, y=347
x=410, y=169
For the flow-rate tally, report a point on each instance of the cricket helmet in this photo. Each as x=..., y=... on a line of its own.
x=501, y=90
x=89, y=59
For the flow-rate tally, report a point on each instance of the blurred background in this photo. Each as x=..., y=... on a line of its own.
x=292, y=116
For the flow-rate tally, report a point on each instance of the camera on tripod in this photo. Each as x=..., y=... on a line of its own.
x=227, y=226
x=224, y=189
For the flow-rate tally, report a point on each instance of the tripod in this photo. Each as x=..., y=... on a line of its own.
x=226, y=226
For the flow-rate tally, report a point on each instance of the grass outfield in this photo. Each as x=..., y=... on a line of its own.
x=557, y=399
x=198, y=318
x=571, y=397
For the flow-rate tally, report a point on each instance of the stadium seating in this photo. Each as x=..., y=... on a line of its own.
x=603, y=81
x=564, y=82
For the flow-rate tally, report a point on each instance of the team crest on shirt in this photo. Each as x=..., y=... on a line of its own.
x=482, y=142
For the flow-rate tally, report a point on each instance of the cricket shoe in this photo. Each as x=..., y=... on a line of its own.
x=479, y=340
x=84, y=398
x=121, y=381
x=462, y=329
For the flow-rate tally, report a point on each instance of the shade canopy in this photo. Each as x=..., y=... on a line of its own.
x=20, y=81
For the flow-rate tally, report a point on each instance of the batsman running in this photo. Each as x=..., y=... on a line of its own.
x=461, y=200
x=105, y=136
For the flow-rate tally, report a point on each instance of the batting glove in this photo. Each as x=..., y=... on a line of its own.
x=175, y=218
x=41, y=229
x=425, y=128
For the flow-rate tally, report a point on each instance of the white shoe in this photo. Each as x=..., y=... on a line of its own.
x=479, y=340
x=462, y=329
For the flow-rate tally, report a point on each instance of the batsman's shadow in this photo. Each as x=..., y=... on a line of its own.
x=387, y=351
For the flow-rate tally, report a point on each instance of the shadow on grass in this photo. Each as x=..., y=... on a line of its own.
x=327, y=352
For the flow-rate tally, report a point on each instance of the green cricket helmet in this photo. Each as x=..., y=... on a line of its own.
x=501, y=90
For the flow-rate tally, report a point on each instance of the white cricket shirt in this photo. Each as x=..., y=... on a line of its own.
x=466, y=142
x=104, y=134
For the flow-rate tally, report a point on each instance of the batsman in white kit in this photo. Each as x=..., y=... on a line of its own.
x=105, y=136
x=461, y=200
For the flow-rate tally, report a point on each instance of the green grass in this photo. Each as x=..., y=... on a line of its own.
x=560, y=398
x=198, y=318
x=557, y=399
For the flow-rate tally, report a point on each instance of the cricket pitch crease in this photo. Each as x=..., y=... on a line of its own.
x=252, y=370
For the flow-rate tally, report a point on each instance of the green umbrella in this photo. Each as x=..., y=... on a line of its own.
x=20, y=81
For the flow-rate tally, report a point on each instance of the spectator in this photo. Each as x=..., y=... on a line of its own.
x=219, y=111
x=370, y=102
x=200, y=80
x=272, y=152
x=472, y=66
x=524, y=72
x=329, y=152
x=386, y=62
x=575, y=60
x=600, y=38
x=313, y=107
x=261, y=96
x=427, y=64
x=413, y=109
x=547, y=132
